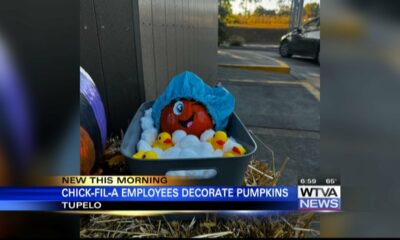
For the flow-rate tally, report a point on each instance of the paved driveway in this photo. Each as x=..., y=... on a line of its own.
x=281, y=109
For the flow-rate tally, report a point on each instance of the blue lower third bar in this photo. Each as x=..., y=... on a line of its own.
x=28, y=206
x=200, y=198
x=153, y=193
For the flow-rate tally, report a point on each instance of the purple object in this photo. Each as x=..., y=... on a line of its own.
x=14, y=103
x=89, y=90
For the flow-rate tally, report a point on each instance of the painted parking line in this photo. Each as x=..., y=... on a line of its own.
x=308, y=86
x=278, y=67
x=279, y=62
x=311, y=89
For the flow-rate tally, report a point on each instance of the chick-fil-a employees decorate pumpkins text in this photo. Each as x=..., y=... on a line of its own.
x=187, y=115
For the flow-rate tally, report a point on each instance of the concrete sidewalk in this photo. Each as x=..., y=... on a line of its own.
x=251, y=60
x=282, y=112
x=301, y=68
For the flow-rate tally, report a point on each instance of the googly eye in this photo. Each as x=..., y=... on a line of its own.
x=178, y=108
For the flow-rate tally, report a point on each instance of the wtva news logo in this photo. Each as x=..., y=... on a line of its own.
x=321, y=198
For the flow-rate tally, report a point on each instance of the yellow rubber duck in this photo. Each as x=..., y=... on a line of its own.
x=163, y=141
x=150, y=155
x=236, y=151
x=218, y=140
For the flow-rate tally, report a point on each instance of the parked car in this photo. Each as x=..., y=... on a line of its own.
x=303, y=41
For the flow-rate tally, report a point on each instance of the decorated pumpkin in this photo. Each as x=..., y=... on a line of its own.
x=189, y=104
x=93, y=124
x=87, y=154
x=187, y=115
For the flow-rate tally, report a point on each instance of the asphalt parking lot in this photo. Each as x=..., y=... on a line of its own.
x=282, y=109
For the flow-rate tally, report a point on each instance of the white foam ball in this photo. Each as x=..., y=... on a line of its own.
x=148, y=112
x=172, y=152
x=160, y=153
x=143, y=146
x=207, y=134
x=188, y=153
x=230, y=144
x=177, y=136
x=189, y=141
x=218, y=153
x=149, y=135
x=205, y=149
x=146, y=123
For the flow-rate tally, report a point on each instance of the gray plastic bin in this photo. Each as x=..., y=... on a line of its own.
x=229, y=170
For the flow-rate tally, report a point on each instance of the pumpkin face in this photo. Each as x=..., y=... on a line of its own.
x=187, y=115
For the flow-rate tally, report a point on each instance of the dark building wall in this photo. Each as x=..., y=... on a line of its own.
x=177, y=35
x=132, y=48
x=108, y=53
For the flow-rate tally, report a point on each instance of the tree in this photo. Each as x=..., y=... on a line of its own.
x=284, y=7
x=245, y=5
x=224, y=16
x=284, y=10
x=224, y=8
x=311, y=10
x=260, y=11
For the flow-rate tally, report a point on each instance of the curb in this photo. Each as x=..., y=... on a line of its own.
x=282, y=68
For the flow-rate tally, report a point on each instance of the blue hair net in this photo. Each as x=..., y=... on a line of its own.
x=219, y=102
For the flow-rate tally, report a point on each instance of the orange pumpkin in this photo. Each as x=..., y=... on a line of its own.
x=187, y=115
x=87, y=153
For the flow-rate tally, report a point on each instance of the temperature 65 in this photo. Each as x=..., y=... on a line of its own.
x=331, y=181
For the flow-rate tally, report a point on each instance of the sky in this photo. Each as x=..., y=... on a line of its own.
x=267, y=4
